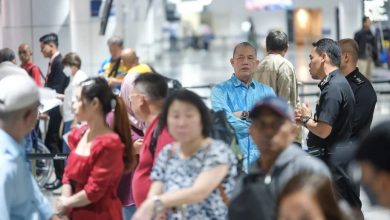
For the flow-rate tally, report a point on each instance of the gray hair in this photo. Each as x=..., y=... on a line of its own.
x=6, y=54
x=115, y=40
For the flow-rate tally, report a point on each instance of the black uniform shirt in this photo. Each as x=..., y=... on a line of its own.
x=335, y=107
x=365, y=100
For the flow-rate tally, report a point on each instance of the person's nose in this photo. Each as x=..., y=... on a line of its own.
x=181, y=121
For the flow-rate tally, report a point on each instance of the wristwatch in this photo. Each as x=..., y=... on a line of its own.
x=158, y=205
x=305, y=119
x=244, y=115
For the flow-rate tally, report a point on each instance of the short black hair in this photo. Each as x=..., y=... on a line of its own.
x=331, y=48
x=375, y=148
x=365, y=18
x=153, y=85
x=6, y=54
x=192, y=98
x=49, y=38
x=244, y=44
x=277, y=41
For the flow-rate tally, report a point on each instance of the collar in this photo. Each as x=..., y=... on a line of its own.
x=326, y=79
x=27, y=65
x=284, y=158
x=353, y=73
x=54, y=56
x=8, y=145
x=237, y=82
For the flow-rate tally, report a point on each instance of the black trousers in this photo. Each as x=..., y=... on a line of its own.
x=53, y=140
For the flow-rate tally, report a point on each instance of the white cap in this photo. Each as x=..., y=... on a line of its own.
x=17, y=92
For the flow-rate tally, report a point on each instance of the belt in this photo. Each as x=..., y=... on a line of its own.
x=320, y=152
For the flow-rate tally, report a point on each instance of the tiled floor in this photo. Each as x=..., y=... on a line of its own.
x=201, y=68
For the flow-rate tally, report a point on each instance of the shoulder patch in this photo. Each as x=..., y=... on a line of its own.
x=357, y=80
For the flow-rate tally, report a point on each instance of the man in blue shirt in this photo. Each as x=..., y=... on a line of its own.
x=20, y=196
x=238, y=95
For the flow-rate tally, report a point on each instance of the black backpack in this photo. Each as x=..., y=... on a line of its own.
x=224, y=131
x=255, y=200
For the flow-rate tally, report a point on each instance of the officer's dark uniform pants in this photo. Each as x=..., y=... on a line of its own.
x=53, y=140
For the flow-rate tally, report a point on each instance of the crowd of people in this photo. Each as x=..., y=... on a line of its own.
x=138, y=150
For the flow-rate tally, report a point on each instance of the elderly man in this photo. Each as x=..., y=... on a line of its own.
x=147, y=99
x=273, y=130
x=25, y=56
x=276, y=71
x=238, y=95
x=131, y=62
x=7, y=64
x=112, y=68
x=20, y=197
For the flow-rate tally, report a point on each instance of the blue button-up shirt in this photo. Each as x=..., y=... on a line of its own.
x=235, y=96
x=20, y=196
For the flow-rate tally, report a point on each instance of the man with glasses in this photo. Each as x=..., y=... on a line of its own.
x=147, y=99
x=20, y=196
x=238, y=95
x=273, y=130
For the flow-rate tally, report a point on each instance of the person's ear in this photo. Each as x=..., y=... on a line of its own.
x=324, y=57
x=95, y=102
x=232, y=61
x=346, y=57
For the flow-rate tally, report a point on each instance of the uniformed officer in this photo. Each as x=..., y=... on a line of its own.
x=365, y=96
x=332, y=121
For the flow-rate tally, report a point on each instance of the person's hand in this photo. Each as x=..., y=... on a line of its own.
x=145, y=212
x=62, y=204
x=300, y=111
x=57, y=217
x=137, y=145
x=110, y=81
x=161, y=216
x=44, y=116
x=298, y=115
x=305, y=110
x=237, y=114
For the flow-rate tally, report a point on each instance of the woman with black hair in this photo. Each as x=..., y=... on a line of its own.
x=99, y=155
x=309, y=196
x=193, y=177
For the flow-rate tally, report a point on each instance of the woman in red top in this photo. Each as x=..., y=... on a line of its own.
x=98, y=155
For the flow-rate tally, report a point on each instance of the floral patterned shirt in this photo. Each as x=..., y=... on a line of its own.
x=176, y=173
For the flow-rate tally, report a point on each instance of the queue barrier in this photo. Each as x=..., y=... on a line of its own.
x=36, y=156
